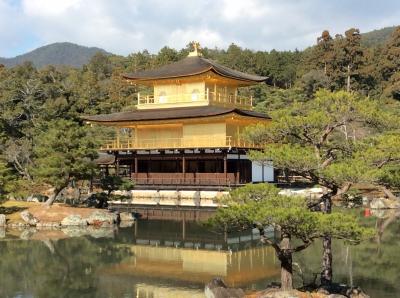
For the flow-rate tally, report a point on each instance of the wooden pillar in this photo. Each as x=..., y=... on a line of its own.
x=136, y=165
x=148, y=166
x=238, y=169
x=183, y=167
x=135, y=143
x=183, y=227
x=116, y=164
x=118, y=141
x=236, y=95
x=196, y=170
x=237, y=141
x=131, y=167
x=225, y=166
x=136, y=228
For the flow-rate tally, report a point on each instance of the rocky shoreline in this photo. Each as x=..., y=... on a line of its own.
x=216, y=288
x=36, y=216
x=98, y=224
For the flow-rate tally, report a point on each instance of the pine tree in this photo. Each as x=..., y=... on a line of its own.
x=389, y=65
x=320, y=140
x=64, y=151
x=260, y=206
x=325, y=46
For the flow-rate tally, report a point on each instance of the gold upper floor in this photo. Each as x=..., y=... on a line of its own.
x=195, y=98
x=193, y=81
x=194, y=92
x=226, y=131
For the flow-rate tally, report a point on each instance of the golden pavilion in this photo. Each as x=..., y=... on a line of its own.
x=189, y=131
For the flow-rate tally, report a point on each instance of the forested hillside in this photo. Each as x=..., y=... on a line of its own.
x=377, y=37
x=60, y=53
x=38, y=104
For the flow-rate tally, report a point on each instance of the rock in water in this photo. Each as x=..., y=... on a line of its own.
x=2, y=220
x=356, y=292
x=27, y=233
x=96, y=232
x=74, y=231
x=217, y=289
x=73, y=220
x=101, y=218
x=126, y=224
x=29, y=218
x=126, y=216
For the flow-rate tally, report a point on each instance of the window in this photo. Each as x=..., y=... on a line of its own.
x=162, y=97
x=195, y=95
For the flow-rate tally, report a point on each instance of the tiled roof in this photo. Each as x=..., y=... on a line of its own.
x=192, y=66
x=172, y=113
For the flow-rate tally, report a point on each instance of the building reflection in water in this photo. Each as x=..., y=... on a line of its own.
x=176, y=259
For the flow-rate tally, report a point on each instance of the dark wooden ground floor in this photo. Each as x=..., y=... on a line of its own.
x=219, y=169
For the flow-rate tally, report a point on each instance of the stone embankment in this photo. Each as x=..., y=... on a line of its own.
x=217, y=289
x=38, y=216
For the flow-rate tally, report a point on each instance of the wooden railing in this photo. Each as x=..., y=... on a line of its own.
x=177, y=143
x=213, y=179
x=207, y=97
x=230, y=100
x=150, y=99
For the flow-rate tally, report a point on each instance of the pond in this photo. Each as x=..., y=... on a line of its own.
x=176, y=259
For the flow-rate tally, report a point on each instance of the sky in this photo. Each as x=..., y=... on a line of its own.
x=126, y=26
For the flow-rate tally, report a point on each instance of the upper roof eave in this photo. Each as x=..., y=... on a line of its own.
x=192, y=66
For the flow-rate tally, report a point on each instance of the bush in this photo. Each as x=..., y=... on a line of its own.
x=97, y=200
x=111, y=183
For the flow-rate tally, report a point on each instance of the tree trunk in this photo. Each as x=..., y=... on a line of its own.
x=348, y=78
x=53, y=197
x=262, y=172
x=340, y=192
x=285, y=256
x=326, y=274
x=389, y=194
x=49, y=245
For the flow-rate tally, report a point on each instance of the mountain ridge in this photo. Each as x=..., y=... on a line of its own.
x=71, y=54
x=59, y=53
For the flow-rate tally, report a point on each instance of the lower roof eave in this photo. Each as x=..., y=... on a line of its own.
x=221, y=148
x=172, y=114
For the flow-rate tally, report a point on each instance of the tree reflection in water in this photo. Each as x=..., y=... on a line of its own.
x=175, y=259
x=62, y=268
x=374, y=265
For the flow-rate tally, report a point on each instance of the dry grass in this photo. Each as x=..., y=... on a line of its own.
x=54, y=213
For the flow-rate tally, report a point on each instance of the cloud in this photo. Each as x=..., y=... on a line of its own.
x=12, y=27
x=126, y=26
x=234, y=10
x=49, y=7
x=179, y=38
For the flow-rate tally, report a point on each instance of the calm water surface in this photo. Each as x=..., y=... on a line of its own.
x=176, y=259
